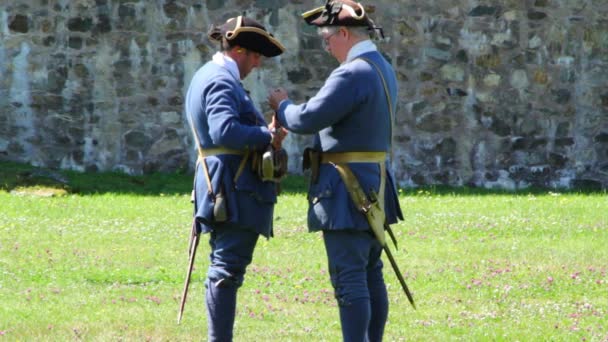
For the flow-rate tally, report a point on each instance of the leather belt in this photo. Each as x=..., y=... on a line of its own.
x=209, y=152
x=352, y=157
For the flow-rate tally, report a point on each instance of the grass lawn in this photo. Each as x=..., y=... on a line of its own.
x=102, y=257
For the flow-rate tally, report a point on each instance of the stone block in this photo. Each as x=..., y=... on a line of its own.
x=540, y=77
x=587, y=184
x=500, y=127
x=536, y=15
x=488, y=61
x=75, y=43
x=214, y=5
x=137, y=140
x=104, y=24
x=438, y=54
x=80, y=24
x=175, y=10
x=519, y=79
x=435, y=122
x=564, y=142
x=601, y=138
x=483, y=10
x=562, y=96
x=604, y=99
x=452, y=73
x=19, y=23
x=299, y=76
x=557, y=161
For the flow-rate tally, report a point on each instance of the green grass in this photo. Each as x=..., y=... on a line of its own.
x=105, y=259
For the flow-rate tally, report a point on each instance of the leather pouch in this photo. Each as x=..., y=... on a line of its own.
x=280, y=162
x=312, y=160
x=271, y=165
x=220, y=208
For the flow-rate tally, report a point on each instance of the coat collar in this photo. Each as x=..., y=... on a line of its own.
x=360, y=48
x=227, y=63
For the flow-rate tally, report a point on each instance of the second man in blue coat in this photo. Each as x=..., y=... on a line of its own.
x=351, y=119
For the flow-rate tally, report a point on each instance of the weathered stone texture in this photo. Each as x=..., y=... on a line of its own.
x=505, y=94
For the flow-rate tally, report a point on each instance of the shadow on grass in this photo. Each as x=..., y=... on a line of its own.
x=15, y=175
x=444, y=190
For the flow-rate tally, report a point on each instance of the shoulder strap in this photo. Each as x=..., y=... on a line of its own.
x=388, y=96
x=201, y=159
x=390, y=123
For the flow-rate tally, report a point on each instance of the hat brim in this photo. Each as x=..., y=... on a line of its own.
x=256, y=40
x=250, y=37
x=312, y=17
x=347, y=16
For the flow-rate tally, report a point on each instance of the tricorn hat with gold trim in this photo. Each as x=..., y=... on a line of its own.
x=338, y=13
x=249, y=34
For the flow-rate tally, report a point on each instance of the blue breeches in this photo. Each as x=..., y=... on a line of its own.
x=231, y=253
x=355, y=269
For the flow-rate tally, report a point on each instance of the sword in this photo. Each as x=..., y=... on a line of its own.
x=390, y=233
x=376, y=218
x=194, y=239
x=389, y=255
x=371, y=208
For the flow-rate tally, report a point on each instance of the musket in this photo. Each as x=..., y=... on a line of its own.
x=194, y=239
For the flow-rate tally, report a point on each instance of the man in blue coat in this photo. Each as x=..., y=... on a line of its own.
x=351, y=119
x=231, y=201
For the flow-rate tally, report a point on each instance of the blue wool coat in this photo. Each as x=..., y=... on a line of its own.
x=223, y=115
x=350, y=113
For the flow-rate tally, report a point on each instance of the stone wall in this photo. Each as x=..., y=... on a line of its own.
x=504, y=94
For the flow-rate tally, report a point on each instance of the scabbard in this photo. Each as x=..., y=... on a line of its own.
x=391, y=234
x=374, y=212
x=389, y=255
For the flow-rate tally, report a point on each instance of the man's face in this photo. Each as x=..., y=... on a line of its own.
x=250, y=61
x=333, y=41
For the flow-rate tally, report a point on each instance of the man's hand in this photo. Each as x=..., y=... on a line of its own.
x=278, y=133
x=275, y=97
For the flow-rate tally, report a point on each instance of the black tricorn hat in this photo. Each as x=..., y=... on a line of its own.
x=341, y=13
x=249, y=34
